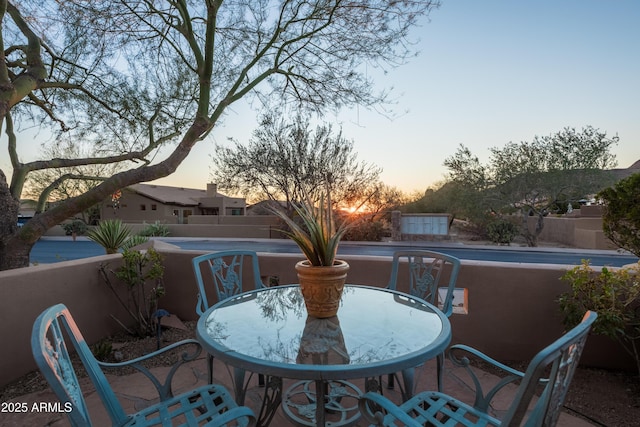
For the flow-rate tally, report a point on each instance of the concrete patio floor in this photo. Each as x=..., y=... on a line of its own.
x=135, y=392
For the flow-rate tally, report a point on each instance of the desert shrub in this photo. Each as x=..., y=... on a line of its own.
x=157, y=229
x=614, y=295
x=77, y=226
x=621, y=217
x=141, y=275
x=102, y=350
x=371, y=231
x=502, y=231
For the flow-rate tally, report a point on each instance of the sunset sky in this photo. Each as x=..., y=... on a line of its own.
x=488, y=72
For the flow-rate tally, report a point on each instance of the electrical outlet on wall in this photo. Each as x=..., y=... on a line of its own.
x=460, y=299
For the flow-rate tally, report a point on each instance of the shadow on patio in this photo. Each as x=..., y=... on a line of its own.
x=136, y=392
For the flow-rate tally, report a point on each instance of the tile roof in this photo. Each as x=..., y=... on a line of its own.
x=171, y=195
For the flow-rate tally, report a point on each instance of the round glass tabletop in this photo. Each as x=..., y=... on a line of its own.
x=376, y=331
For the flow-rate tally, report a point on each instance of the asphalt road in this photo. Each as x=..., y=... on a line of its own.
x=50, y=250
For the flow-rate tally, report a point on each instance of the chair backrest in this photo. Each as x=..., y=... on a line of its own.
x=427, y=272
x=225, y=269
x=552, y=369
x=51, y=355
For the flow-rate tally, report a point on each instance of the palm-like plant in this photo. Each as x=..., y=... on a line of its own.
x=112, y=235
x=317, y=235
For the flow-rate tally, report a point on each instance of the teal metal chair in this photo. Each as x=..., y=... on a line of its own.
x=211, y=405
x=225, y=270
x=427, y=272
x=538, y=400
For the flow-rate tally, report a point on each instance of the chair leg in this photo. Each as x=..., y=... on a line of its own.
x=390, y=381
x=261, y=382
x=210, y=368
x=440, y=370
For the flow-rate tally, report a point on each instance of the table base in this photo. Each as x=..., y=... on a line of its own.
x=337, y=407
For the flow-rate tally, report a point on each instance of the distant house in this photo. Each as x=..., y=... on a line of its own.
x=27, y=211
x=169, y=205
x=265, y=207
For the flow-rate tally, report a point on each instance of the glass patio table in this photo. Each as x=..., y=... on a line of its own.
x=376, y=332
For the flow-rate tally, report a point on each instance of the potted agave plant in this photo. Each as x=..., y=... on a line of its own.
x=321, y=275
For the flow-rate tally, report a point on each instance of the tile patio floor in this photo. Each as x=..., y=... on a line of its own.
x=135, y=392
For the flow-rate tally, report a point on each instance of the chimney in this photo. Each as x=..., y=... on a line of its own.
x=212, y=190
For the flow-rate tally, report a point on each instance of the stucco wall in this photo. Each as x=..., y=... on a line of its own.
x=262, y=227
x=234, y=219
x=130, y=209
x=513, y=311
x=560, y=230
x=26, y=292
x=577, y=232
x=228, y=231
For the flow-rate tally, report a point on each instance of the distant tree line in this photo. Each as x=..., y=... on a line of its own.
x=523, y=180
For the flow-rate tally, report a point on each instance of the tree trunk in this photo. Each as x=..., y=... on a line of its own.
x=12, y=254
x=539, y=225
x=531, y=237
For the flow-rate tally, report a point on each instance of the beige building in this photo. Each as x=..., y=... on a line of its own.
x=169, y=205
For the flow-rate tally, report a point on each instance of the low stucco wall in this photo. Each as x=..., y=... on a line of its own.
x=204, y=230
x=234, y=219
x=512, y=309
x=26, y=292
x=583, y=231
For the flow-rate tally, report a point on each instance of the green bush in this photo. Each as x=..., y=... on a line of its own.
x=370, y=231
x=141, y=274
x=502, y=231
x=102, y=350
x=614, y=295
x=77, y=226
x=621, y=217
x=156, y=229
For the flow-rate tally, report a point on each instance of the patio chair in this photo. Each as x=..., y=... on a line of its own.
x=209, y=405
x=226, y=268
x=226, y=272
x=427, y=272
x=537, y=402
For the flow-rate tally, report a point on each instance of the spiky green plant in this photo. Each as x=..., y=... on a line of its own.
x=110, y=234
x=133, y=241
x=317, y=235
x=141, y=275
x=157, y=229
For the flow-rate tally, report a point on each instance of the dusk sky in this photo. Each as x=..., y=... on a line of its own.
x=488, y=72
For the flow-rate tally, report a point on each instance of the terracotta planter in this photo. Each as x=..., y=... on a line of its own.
x=322, y=287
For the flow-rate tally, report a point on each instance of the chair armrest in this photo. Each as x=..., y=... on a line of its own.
x=200, y=308
x=464, y=361
x=384, y=411
x=164, y=389
x=459, y=356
